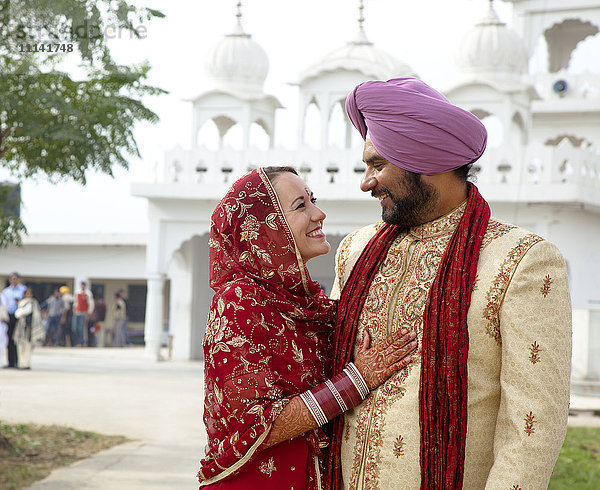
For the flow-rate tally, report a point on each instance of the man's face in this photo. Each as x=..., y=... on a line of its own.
x=13, y=280
x=406, y=200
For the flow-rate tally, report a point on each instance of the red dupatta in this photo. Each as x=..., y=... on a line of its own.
x=267, y=338
x=443, y=387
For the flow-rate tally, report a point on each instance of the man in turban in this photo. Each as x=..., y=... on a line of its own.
x=485, y=403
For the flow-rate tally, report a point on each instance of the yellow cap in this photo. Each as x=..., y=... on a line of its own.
x=64, y=289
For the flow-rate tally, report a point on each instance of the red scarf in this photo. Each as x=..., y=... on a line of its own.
x=267, y=339
x=443, y=392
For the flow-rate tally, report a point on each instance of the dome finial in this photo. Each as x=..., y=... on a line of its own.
x=361, y=17
x=238, y=27
x=361, y=37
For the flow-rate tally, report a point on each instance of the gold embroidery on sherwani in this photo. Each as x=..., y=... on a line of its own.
x=399, y=447
x=495, y=229
x=535, y=353
x=495, y=295
x=545, y=289
x=529, y=422
x=344, y=253
x=396, y=299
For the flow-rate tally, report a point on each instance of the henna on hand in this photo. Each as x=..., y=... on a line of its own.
x=378, y=363
x=295, y=419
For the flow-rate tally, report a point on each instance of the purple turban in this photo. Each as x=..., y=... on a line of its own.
x=414, y=126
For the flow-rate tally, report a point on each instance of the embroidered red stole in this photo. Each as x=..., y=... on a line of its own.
x=443, y=390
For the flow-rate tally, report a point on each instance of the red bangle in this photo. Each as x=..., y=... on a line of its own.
x=336, y=395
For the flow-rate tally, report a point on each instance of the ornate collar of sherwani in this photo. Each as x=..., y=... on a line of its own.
x=445, y=225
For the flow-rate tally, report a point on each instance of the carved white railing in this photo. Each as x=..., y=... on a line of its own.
x=529, y=167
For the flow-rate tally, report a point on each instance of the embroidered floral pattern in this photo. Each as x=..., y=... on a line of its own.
x=399, y=288
x=399, y=447
x=250, y=228
x=347, y=432
x=515, y=487
x=495, y=295
x=545, y=289
x=267, y=467
x=529, y=422
x=534, y=357
x=495, y=229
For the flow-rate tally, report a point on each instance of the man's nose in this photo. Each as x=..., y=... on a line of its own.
x=368, y=182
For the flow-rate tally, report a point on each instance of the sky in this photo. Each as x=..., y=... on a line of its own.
x=423, y=34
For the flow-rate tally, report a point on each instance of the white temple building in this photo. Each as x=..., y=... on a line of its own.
x=541, y=169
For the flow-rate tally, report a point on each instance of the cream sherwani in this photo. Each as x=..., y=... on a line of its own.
x=519, y=326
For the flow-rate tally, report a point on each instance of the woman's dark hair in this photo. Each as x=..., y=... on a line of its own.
x=273, y=172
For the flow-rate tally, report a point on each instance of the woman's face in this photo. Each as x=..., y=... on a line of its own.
x=304, y=217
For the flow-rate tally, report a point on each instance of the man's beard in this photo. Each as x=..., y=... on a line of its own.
x=415, y=207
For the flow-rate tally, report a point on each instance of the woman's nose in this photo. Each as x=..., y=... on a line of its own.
x=318, y=215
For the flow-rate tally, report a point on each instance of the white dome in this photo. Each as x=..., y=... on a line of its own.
x=492, y=49
x=238, y=63
x=360, y=55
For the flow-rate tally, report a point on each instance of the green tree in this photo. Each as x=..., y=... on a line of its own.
x=51, y=123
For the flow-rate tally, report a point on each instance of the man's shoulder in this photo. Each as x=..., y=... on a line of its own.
x=506, y=242
x=361, y=236
x=500, y=233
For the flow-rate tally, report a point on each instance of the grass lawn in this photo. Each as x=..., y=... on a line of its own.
x=578, y=465
x=29, y=452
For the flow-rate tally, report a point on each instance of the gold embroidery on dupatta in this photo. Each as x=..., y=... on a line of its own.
x=268, y=467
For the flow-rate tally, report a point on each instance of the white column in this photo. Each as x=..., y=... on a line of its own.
x=325, y=109
x=154, y=315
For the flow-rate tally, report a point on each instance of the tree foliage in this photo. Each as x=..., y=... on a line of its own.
x=51, y=123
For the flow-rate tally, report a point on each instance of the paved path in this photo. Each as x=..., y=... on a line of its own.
x=118, y=391
x=114, y=391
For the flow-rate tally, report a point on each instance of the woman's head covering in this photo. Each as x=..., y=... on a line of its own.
x=267, y=337
x=250, y=238
x=414, y=126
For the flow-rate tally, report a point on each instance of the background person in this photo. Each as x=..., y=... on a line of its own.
x=29, y=330
x=55, y=306
x=83, y=306
x=96, y=320
x=12, y=294
x=67, y=318
x=119, y=314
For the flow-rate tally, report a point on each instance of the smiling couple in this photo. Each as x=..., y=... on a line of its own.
x=421, y=370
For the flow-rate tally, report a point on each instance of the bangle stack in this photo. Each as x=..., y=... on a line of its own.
x=336, y=395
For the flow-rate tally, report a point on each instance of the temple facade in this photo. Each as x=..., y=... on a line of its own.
x=541, y=170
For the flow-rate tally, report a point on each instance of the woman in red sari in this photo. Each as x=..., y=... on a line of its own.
x=268, y=340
